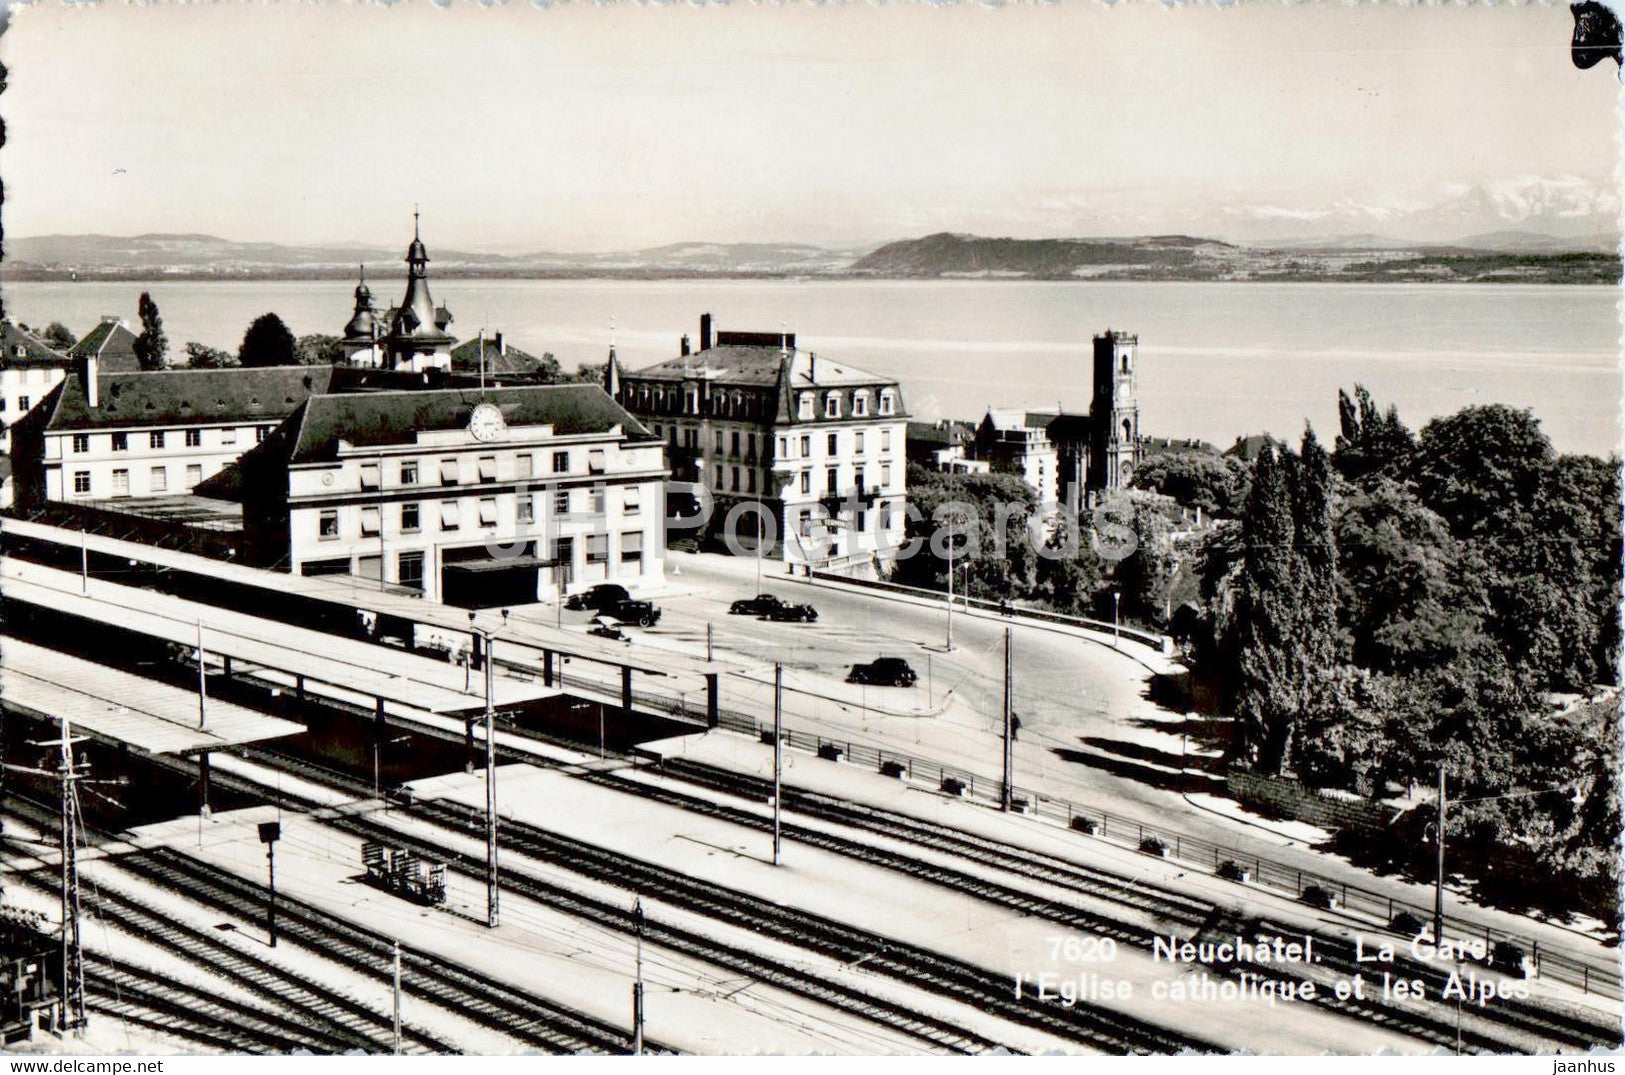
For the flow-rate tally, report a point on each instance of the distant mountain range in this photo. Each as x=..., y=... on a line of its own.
x=1500, y=254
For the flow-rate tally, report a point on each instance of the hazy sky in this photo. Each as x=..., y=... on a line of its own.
x=589, y=126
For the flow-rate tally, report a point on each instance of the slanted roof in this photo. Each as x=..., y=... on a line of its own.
x=945, y=433
x=1070, y=427
x=736, y=364
x=188, y=397
x=112, y=344
x=20, y=349
x=371, y=419
x=508, y=361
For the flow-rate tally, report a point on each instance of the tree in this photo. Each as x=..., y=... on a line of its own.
x=1216, y=484
x=1068, y=572
x=1269, y=688
x=151, y=347
x=318, y=349
x=201, y=357
x=267, y=343
x=1370, y=442
x=59, y=336
x=587, y=373
x=986, y=519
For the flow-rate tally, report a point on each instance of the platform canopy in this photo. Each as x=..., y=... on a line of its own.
x=120, y=707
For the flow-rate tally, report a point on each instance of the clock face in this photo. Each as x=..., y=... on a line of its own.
x=1123, y=389
x=486, y=422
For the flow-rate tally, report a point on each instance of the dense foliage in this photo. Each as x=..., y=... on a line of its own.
x=267, y=343
x=203, y=357
x=1408, y=603
x=1215, y=484
x=318, y=349
x=59, y=336
x=152, y=346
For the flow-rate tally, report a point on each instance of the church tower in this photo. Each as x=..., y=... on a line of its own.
x=1114, y=414
x=361, y=336
x=417, y=338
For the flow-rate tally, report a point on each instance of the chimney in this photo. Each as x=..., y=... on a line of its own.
x=705, y=332
x=502, y=346
x=685, y=344
x=812, y=366
x=92, y=382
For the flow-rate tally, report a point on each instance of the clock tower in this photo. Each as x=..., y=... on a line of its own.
x=1114, y=414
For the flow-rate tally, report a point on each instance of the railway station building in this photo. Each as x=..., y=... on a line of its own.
x=504, y=497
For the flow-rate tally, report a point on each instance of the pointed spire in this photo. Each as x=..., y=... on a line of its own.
x=612, y=368
x=784, y=341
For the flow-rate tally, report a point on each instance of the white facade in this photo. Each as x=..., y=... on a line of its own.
x=141, y=461
x=588, y=507
x=863, y=467
x=21, y=389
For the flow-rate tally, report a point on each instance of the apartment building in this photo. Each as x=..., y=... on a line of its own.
x=503, y=497
x=817, y=444
x=29, y=370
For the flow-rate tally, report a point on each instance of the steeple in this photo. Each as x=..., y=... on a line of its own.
x=416, y=315
x=363, y=320
x=612, y=368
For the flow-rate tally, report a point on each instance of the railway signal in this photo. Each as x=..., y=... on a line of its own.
x=270, y=833
x=637, y=981
x=1007, y=795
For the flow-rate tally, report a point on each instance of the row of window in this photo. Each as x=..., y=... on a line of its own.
x=450, y=470
x=23, y=403
x=409, y=516
x=157, y=480
x=805, y=523
x=737, y=404
x=409, y=565
x=158, y=439
x=806, y=402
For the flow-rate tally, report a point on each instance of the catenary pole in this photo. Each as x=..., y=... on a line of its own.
x=637, y=981
x=778, y=755
x=397, y=998
x=1007, y=798
x=491, y=893
x=1438, y=885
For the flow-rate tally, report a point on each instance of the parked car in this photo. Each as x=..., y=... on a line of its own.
x=604, y=629
x=884, y=672
x=608, y=599
x=773, y=608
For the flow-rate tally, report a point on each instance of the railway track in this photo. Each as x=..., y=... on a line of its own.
x=1337, y=953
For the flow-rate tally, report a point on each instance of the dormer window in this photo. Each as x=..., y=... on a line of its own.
x=860, y=404
x=887, y=402
x=806, y=405
x=832, y=405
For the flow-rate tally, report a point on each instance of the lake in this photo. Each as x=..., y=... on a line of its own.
x=1216, y=360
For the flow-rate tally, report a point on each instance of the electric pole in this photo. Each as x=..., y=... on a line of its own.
x=1007, y=799
x=202, y=681
x=397, y=998
x=490, y=794
x=73, y=955
x=1438, y=887
x=778, y=753
x=637, y=981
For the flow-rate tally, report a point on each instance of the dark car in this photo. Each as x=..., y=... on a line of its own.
x=885, y=672
x=608, y=599
x=608, y=630
x=773, y=608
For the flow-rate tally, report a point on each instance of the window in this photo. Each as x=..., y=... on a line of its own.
x=885, y=475
x=736, y=442
x=22, y=403
x=228, y=435
x=598, y=500
x=449, y=519
x=806, y=405
x=155, y=439
x=121, y=483
x=595, y=461
x=806, y=447
x=261, y=432
x=327, y=526
x=632, y=500
x=832, y=481
x=372, y=520
x=409, y=473
x=806, y=481
x=522, y=465
x=832, y=406
x=784, y=447
x=121, y=442
x=750, y=481
x=632, y=548
x=885, y=440
x=719, y=441
x=887, y=401
x=194, y=474
x=526, y=509
x=194, y=438
x=409, y=519
x=81, y=481
x=450, y=473
x=860, y=404
x=862, y=518
x=2, y=403
x=371, y=475
x=834, y=445
x=736, y=479
x=561, y=462
x=718, y=482
x=488, y=511
x=409, y=568
x=158, y=480
x=561, y=503
x=488, y=468
x=598, y=548
x=857, y=442
x=81, y=442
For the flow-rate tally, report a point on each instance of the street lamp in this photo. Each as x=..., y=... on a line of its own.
x=1117, y=598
